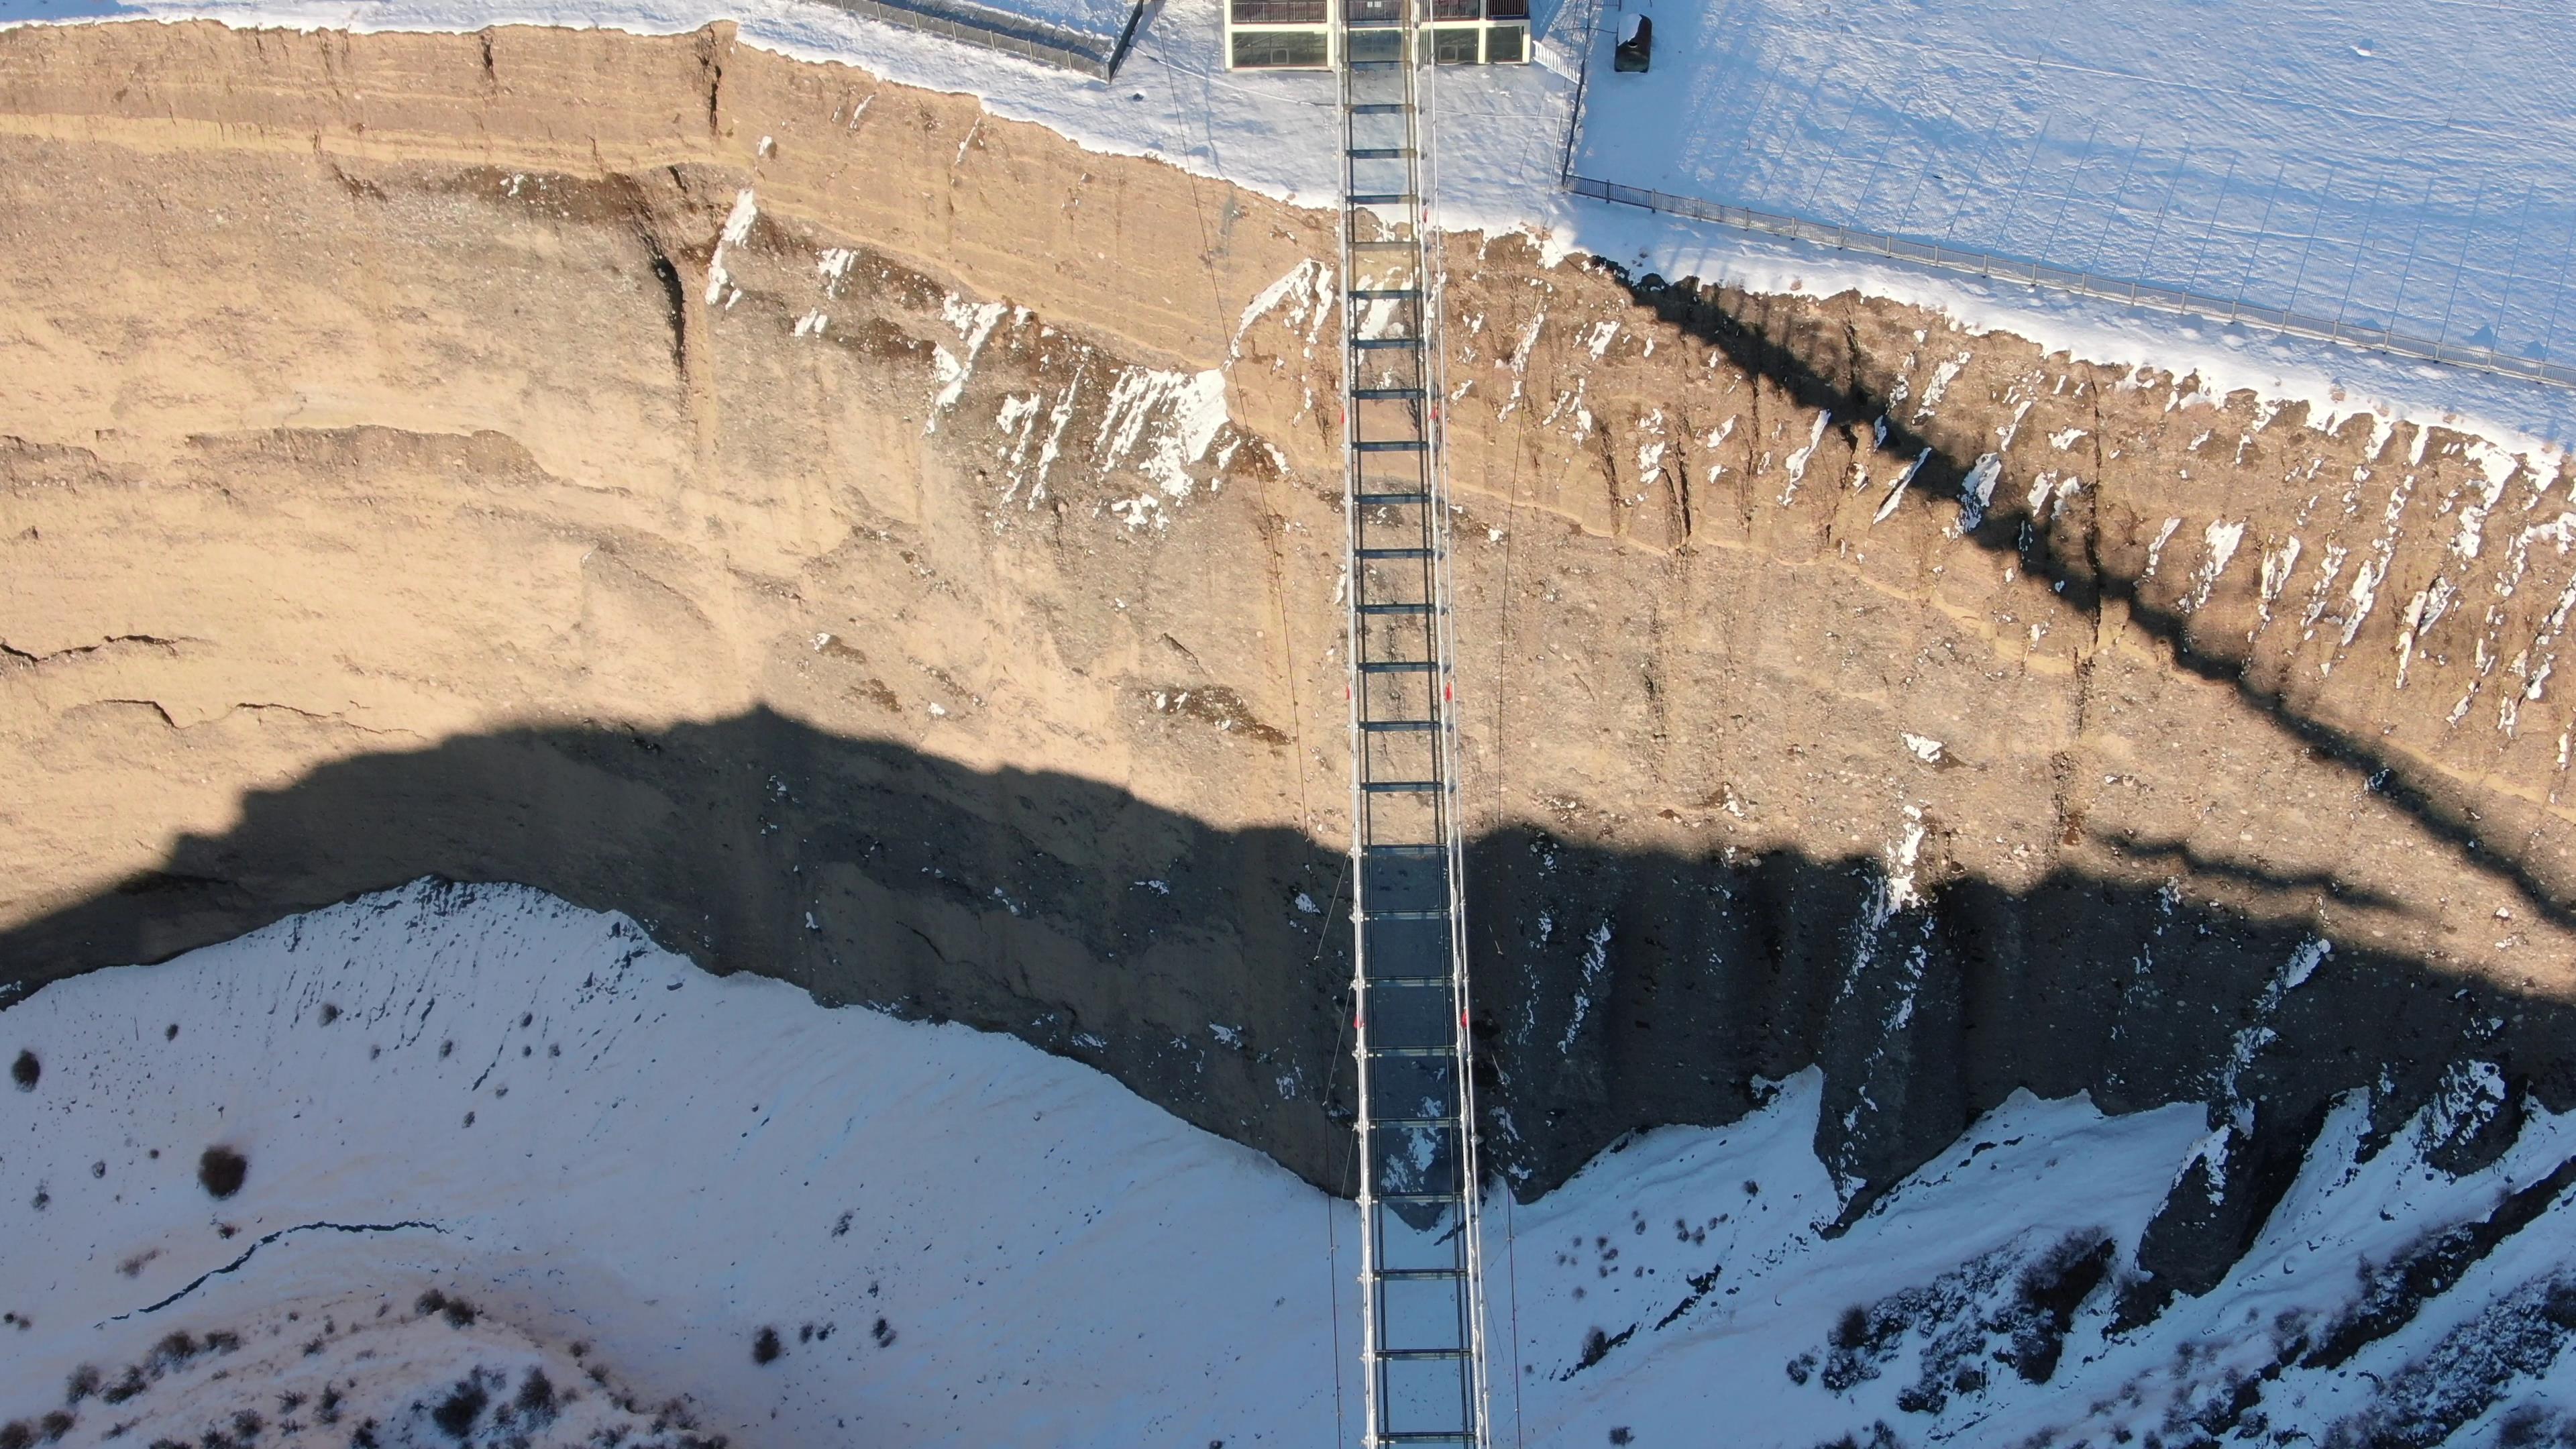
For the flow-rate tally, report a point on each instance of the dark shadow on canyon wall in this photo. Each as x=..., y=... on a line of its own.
x=1616, y=990
x=1817, y=360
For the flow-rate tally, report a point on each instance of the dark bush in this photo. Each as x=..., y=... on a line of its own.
x=1852, y=1329
x=330, y=1013
x=458, y=1312
x=25, y=1070
x=84, y=1382
x=124, y=1388
x=16, y=1435
x=537, y=1397
x=56, y=1425
x=221, y=1171
x=457, y=1413
x=765, y=1347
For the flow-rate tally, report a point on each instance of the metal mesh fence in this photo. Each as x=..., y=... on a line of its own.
x=977, y=25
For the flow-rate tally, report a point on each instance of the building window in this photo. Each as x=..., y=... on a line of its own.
x=1278, y=49
x=1454, y=9
x=1506, y=45
x=1454, y=45
x=1376, y=47
x=1374, y=12
x=1507, y=10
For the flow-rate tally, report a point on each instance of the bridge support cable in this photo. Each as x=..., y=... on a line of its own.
x=1421, y=1274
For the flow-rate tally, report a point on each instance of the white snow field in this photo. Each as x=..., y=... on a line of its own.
x=606, y=1161
x=1501, y=131
x=2380, y=163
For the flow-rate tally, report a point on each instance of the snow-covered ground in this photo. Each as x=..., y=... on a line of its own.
x=608, y=1163
x=491, y=1093
x=1500, y=140
x=2404, y=164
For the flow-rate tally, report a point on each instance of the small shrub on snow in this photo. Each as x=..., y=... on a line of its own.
x=455, y=1415
x=536, y=1399
x=124, y=1388
x=458, y=1312
x=221, y=1171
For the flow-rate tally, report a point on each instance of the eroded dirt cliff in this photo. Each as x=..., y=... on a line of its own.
x=889, y=548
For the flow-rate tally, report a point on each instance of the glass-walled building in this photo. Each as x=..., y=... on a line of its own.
x=1298, y=34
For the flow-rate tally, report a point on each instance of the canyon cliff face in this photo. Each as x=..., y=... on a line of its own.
x=890, y=549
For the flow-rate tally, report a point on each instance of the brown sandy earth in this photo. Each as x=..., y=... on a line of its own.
x=928, y=596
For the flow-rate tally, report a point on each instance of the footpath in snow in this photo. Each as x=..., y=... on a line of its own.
x=488, y=1141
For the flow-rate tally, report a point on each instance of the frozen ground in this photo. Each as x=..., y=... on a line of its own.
x=1500, y=144
x=625, y=1171
x=2383, y=162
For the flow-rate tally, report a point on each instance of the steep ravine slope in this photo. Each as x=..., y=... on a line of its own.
x=889, y=549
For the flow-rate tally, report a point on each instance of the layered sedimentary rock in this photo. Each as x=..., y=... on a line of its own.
x=888, y=548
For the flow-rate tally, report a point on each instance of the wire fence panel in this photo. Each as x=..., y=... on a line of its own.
x=1000, y=30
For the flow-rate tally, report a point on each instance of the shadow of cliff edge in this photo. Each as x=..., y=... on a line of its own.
x=1815, y=359
x=1616, y=990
